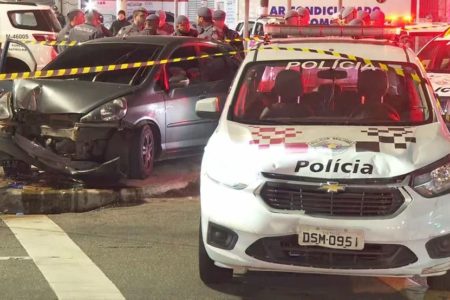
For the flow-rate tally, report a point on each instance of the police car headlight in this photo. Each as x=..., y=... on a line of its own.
x=111, y=111
x=433, y=183
x=5, y=107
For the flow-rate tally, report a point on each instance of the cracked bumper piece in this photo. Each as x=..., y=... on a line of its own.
x=54, y=162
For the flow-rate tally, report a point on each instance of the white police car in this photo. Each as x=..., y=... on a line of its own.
x=330, y=157
x=27, y=22
x=435, y=57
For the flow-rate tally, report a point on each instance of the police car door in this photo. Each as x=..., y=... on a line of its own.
x=185, y=131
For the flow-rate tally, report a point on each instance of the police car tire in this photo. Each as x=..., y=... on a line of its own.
x=440, y=283
x=142, y=153
x=209, y=272
x=19, y=169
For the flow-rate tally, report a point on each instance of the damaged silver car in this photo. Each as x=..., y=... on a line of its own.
x=114, y=123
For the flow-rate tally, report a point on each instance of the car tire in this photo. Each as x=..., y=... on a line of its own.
x=440, y=283
x=209, y=272
x=142, y=153
x=18, y=169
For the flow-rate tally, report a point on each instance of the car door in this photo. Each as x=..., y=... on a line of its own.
x=185, y=131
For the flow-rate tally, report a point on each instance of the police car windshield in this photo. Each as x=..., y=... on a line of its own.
x=90, y=55
x=435, y=57
x=337, y=92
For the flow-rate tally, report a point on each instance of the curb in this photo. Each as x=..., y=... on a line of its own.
x=44, y=200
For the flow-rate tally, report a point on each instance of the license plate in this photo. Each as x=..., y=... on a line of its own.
x=331, y=238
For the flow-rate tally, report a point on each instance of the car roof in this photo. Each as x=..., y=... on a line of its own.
x=372, y=49
x=158, y=40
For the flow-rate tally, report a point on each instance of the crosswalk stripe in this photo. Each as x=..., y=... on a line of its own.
x=68, y=270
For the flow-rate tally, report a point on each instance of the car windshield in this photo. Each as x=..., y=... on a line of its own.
x=107, y=54
x=38, y=19
x=435, y=57
x=336, y=92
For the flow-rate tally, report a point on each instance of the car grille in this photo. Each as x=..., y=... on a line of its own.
x=286, y=250
x=353, y=202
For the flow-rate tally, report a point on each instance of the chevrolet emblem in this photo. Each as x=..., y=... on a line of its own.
x=332, y=187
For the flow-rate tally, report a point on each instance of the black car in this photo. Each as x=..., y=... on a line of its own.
x=115, y=122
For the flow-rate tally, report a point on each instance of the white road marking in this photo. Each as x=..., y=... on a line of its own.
x=15, y=258
x=69, y=271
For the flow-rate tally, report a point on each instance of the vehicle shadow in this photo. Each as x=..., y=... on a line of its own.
x=259, y=285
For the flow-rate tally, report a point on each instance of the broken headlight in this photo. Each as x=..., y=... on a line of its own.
x=434, y=182
x=5, y=108
x=111, y=111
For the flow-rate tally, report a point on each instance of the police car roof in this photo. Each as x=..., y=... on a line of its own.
x=372, y=49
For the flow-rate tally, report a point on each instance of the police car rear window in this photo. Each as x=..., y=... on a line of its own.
x=336, y=92
x=91, y=55
x=40, y=20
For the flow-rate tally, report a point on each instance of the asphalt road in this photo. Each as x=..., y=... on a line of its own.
x=149, y=251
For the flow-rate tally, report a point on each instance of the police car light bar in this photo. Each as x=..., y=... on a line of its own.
x=384, y=32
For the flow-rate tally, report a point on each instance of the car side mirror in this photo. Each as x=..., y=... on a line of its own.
x=208, y=108
x=178, y=81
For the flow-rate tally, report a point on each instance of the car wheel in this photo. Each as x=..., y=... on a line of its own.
x=17, y=169
x=440, y=283
x=142, y=153
x=209, y=272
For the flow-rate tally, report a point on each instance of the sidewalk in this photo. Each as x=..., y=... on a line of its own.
x=42, y=198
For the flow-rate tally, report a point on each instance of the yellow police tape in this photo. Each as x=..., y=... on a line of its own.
x=108, y=68
x=74, y=43
x=50, y=43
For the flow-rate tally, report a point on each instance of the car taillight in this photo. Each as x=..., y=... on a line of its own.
x=44, y=37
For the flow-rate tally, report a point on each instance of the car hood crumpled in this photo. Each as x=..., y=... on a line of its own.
x=333, y=152
x=55, y=96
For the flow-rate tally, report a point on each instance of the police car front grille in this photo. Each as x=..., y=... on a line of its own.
x=353, y=202
x=286, y=250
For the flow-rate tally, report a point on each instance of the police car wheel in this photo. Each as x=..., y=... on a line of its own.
x=209, y=272
x=142, y=153
x=17, y=169
x=440, y=283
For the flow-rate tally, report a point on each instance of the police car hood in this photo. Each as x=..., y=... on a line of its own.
x=441, y=83
x=55, y=96
x=328, y=152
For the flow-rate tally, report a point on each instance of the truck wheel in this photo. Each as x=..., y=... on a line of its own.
x=209, y=272
x=142, y=153
x=17, y=169
x=440, y=283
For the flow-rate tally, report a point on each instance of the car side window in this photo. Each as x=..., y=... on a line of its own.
x=185, y=72
x=215, y=68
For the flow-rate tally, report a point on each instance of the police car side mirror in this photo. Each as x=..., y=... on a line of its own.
x=208, y=108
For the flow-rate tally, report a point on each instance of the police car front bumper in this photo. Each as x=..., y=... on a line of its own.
x=244, y=214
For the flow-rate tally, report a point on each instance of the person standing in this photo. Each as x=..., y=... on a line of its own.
x=75, y=17
x=135, y=28
x=303, y=16
x=119, y=23
x=164, y=28
x=205, y=23
x=221, y=31
x=151, y=25
x=90, y=30
x=183, y=27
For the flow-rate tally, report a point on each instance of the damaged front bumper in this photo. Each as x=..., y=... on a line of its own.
x=15, y=146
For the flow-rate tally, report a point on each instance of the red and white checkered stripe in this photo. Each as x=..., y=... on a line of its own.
x=267, y=137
